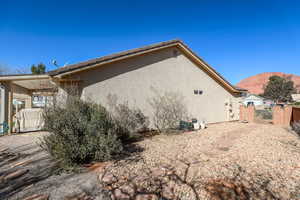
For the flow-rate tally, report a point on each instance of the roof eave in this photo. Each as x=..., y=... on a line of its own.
x=132, y=53
x=111, y=58
x=94, y=65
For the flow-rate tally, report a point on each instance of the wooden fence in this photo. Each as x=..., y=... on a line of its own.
x=282, y=115
x=247, y=113
x=296, y=114
x=285, y=115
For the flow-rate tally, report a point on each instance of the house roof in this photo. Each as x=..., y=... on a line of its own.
x=241, y=89
x=112, y=57
x=254, y=95
x=75, y=68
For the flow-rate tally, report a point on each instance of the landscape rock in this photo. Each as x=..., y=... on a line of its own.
x=253, y=148
x=15, y=174
x=38, y=197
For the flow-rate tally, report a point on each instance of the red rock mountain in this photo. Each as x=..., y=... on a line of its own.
x=255, y=84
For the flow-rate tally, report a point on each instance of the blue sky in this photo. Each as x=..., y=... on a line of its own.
x=239, y=38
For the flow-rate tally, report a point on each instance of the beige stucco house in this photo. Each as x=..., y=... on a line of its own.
x=135, y=75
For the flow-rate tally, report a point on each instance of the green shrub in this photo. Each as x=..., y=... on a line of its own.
x=297, y=103
x=81, y=132
x=131, y=119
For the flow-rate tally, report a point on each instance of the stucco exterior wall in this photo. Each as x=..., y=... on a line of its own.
x=22, y=94
x=134, y=80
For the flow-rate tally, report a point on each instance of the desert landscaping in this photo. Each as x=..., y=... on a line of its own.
x=255, y=152
x=160, y=100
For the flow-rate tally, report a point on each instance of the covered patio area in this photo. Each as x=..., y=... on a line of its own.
x=21, y=92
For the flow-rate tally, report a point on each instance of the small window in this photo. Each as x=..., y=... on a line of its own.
x=196, y=92
x=38, y=101
x=200, y=92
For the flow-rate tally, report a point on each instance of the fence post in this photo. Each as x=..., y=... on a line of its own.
x=288, y=110
x=242, y=113
x=251, y=113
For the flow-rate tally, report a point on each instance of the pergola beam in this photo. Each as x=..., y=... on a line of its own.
x=24, y=77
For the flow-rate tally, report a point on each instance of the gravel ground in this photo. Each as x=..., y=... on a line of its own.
x=22, y=154
x=257, y=148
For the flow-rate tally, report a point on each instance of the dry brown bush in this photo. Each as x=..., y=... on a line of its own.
x=168, y=109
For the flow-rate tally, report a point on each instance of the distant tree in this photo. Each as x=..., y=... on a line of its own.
x=261, y=95
x=39, y=69
x=279, y=89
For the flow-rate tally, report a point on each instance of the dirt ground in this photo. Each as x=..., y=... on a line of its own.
x=39, y=175
x=262, y=148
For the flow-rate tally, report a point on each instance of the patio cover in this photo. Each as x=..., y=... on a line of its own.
x=24, y=84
